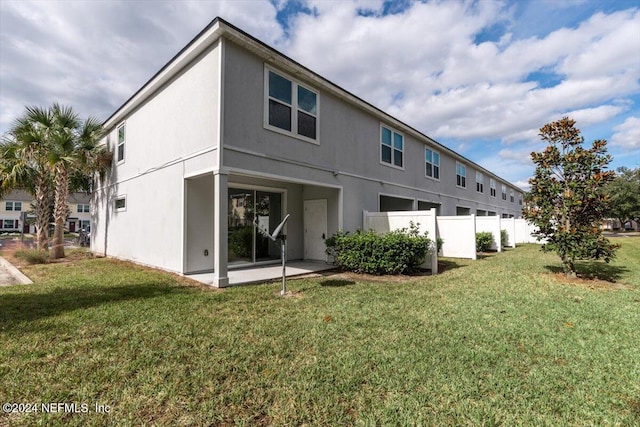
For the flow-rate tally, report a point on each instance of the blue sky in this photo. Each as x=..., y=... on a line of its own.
x=480, y=77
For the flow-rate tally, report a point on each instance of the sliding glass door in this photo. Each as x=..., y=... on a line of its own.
x=246, y=208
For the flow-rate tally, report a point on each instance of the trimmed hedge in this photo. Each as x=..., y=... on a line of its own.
x=397, y=252
x=483, y=241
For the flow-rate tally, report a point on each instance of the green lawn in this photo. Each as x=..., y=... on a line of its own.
x=498, y=341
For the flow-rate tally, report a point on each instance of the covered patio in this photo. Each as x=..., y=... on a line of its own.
x=265, y=273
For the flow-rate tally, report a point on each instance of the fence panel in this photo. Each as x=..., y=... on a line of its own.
x=524, y=232
x=509, y=224
x=459, y=235
x=492, y=225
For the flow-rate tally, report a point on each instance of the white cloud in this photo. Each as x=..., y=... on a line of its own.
x=454, y=88
x=422, y=65
x=627, y=134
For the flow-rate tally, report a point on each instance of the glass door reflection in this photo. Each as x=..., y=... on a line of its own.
x=246, y=244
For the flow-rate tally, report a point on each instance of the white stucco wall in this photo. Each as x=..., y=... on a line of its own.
x=173, y=135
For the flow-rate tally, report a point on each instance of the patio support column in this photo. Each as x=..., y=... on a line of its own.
x=220, y=228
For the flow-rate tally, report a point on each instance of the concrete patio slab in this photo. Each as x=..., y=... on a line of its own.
x=266, y=273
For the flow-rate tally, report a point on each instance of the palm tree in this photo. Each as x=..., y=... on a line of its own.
x=74, y=151
x=61, y=151
x=23, y=164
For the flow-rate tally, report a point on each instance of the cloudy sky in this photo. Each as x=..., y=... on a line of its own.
x=478, y=76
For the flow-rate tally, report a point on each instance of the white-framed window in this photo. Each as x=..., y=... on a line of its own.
x=512, y=197
x=122, y=137
x=290, y=107
x=121, y=203
x=83, y=208
x=13, y=206
x=504, y=192
x=85, y=224
x=520, y=199
x=479, y=182
x=391, y=147
x=492, y=187
x=432, y=163
x=461, y=175
x=9, y=224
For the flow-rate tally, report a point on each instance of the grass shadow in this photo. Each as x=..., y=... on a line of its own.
x=337, y=283
x=594, y=270
x=20, y=308
x=446, y=265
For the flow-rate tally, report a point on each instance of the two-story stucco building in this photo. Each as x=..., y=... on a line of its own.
x=231, y=132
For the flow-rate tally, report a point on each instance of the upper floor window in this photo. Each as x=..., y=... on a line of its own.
x=504, y=192
x=121, y=141
x=512, y=197
x=391, y=147
x=13, y=206
x=83, y=208
x=479, y=182
x=432, y=163
x=492, y=185
x=291, y=107
x=461, y=175
x=520, y=199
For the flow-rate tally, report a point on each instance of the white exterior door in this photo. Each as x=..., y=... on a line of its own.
x=315, y=229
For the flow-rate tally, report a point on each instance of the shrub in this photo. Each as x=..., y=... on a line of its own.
x=439, y=243
x=241, y=241
x=504, y=238
x=33, y=256
x=483, y=241
x=397, y=252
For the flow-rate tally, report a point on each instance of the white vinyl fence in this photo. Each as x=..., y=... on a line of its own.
x=492, y=225
x=524, y=232
x=457, y=232
x=509, y=224
x=384, y=222
x=459, y=235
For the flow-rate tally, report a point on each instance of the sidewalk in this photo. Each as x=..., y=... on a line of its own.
x=6, y=278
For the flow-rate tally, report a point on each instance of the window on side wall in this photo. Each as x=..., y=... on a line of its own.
x=461, y=175
x=504, y=192
x=512, y=197
x=492, y=185
x=432, y=163
x=291, y=107
x=479, y=182
x=121, y=142
x=391, y=147
x=121, y=203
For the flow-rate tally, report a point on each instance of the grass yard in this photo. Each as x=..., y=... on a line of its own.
x=498, y=341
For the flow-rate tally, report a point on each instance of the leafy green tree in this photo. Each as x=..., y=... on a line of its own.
x=624, y=195
x=567, y=201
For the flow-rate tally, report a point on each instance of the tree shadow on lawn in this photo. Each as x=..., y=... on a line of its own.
x=17, y=309
x=594, y=270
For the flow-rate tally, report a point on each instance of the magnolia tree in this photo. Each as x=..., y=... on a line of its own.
x=567, y=201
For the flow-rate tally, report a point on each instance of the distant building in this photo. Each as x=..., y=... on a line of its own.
x=17, y=206
x=611, y=224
